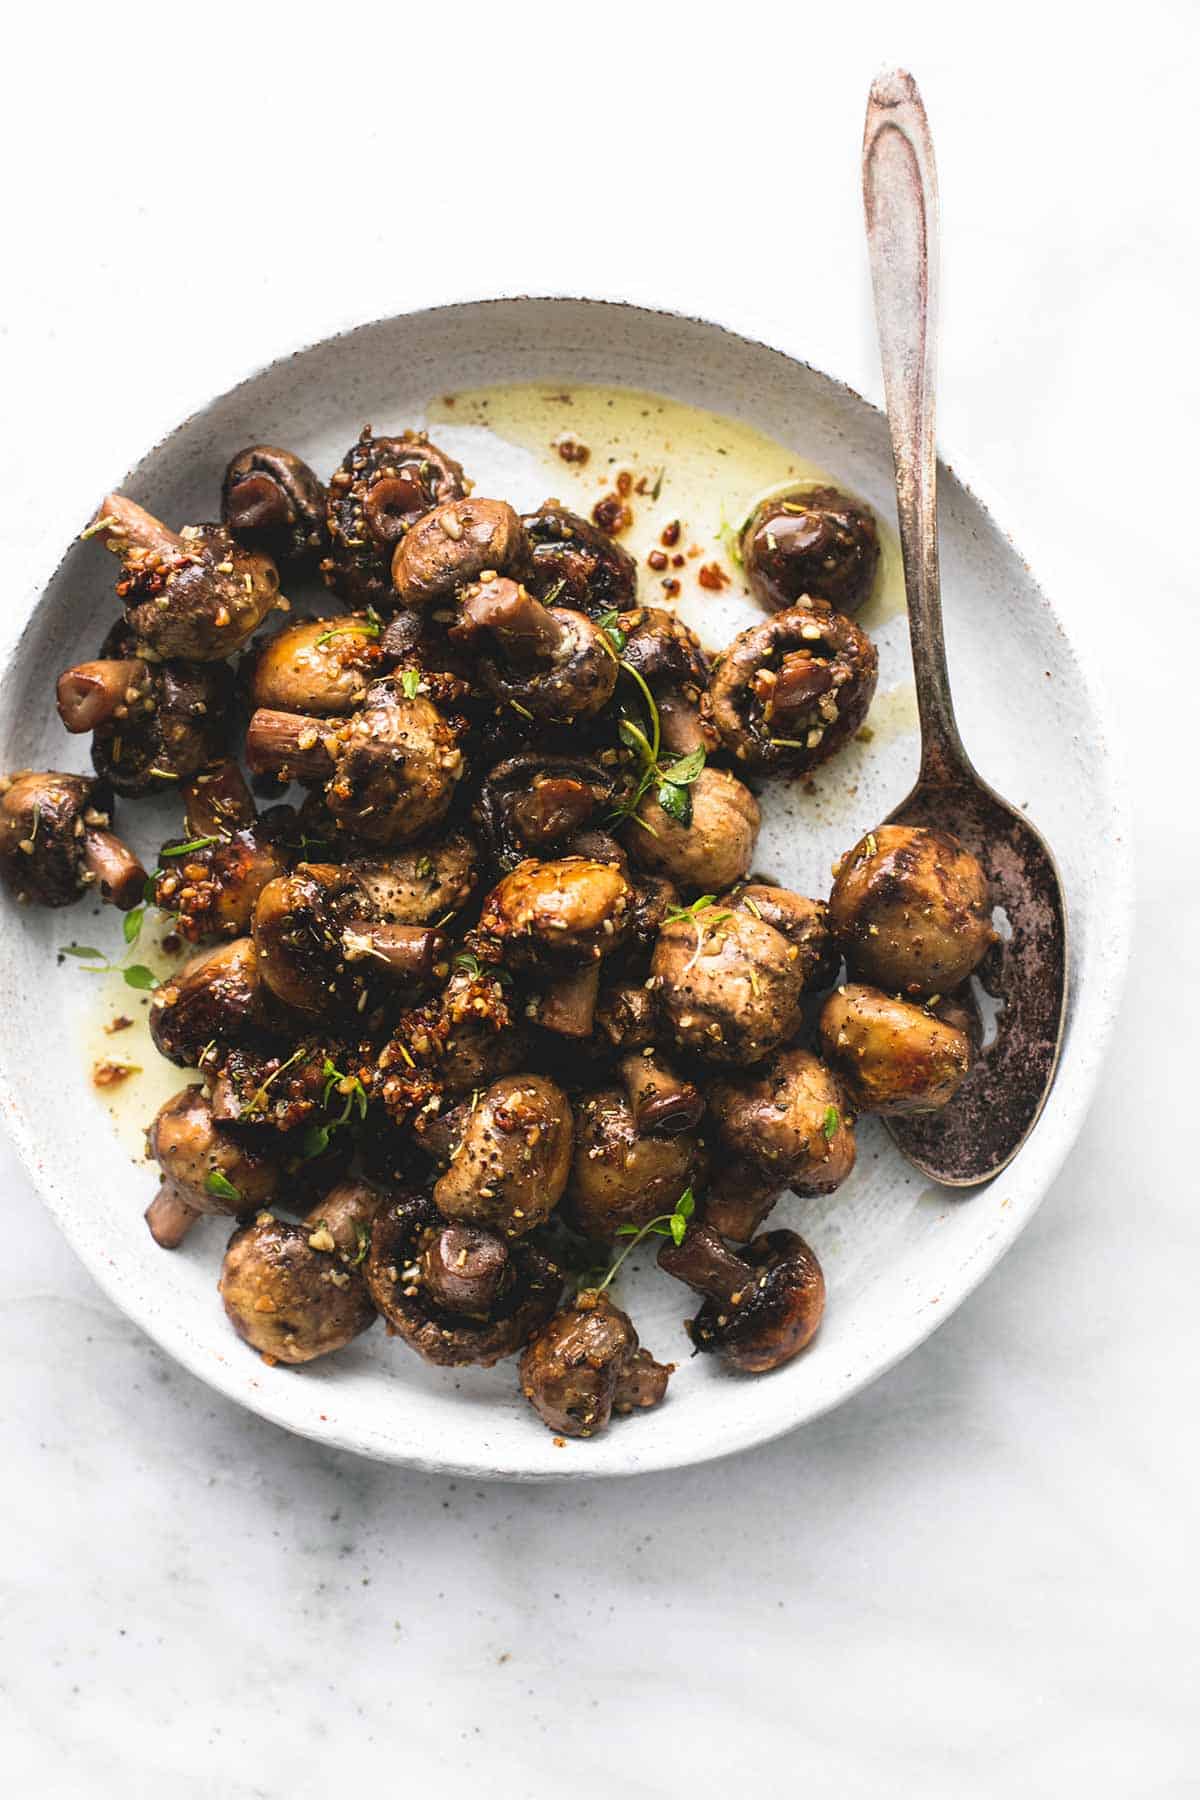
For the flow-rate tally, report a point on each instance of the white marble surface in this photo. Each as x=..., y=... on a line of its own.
x=980, y=1576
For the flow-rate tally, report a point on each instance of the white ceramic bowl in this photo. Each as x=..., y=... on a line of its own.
x=899, y=1255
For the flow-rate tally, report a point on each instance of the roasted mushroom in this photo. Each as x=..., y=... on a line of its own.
x=211, y=878
x=295, y=1292
x=218, y=994
x=204, y=1170
x=419, y=884
x=388, y=772
x=572, y=911
x=574, y=563
x=196, y=593
x=668, y=657
x=510, y=1155
x=786, y=1118
x=271, y=501
x=728, y=984
x=910, y=907
x=56, y=844
x=535, y=800
x=456, y=1293
x=812, y=543
x=453, y=546
x=711, y=845
x=789, y=692
x=454, y=1044
x=892, y=1055
x=549, y=661
x=585, y=1364
x=624, y=1173
x=738, y=1197
x=321, y=666
x=803, y=922
x=376, y=495
x=762, y=1304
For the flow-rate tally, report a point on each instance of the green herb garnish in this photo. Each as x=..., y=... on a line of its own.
x=410, y=682
x=673, y=1225
x=200, y=843
x=216, y=1183
x=678, y=914
x=833, y=1119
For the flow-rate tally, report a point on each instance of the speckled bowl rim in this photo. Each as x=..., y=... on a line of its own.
x=1046, y=1150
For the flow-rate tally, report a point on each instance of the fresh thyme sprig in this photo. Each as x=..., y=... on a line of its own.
x=673, y=1225
x=134, y=975
x=370, y=627
x=676, y=779
x=676, y=915
x=316, y=1138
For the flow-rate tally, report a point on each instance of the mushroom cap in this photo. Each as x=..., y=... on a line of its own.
x=512, y=1156
x=814, y=542
x=576, y=909
x=774, y=1317
x=217, y=994
x=215, y=1173
x=911, y=909
x=271, y=501
x=621, y=1176
x=893, y=1056
x=584, y=1364
x=573, y=561
x=378, y=492
x=417, y=884
x=288, y=1300
x=203, y=603
x=42, y=809
x=715, y=849
x=396, y=765
x=453, y=545
x=320, y=666
x=728, y=985
x=803, y=922
x=843, y=666
x=214, y=888
x=786, y=1119
x=535, y=799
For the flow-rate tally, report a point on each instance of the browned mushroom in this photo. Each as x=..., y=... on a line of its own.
x=786, y=1118
x=712, y=846
x=789, y=692
x=458, y=1042
x=56, y=843
x=535, y=800
x=803, y=922
x=668, y=657
x=663, y=1102
x=728, y=984
x=455, y=1293
x=511, y=1155
x=812, y=543
x=295, y=1292
x=893, y=1056
x=738, y=1197
x=196, y=593
x=453, y=546
x=218, y=994
x=586, y=1364
x=911, y=909
x=552, y=663
x=321, y=666
x=762, y=1304
x=211, y=878
x=623, y=1174
x=271, y=501
x=576, y=564
x=572, y=911
x=382, y=487
x=204, y=1170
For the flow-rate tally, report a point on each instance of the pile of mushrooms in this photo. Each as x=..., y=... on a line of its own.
x=500, y=996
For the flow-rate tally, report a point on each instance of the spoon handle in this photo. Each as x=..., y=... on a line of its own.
x=900, y=196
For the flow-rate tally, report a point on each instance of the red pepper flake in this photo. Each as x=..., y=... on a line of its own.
x=120, y=1023
x=571, y=448
x=713, y=577
x=657, y=559
x=670, y=585
x=670, y=534
x=677, y=562
x=624, y=484
x=110, y=1074
x=612, y=515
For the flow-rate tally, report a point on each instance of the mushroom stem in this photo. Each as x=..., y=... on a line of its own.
x=463, y=1268
x=568, y=1004
x=409, y=951
x=217, y=801
x=662, y=1103
x=799, y=683
x=706, y=1264
x=122, y=525
x=679, y=723
x=525, y=630
x=119, y=874
x=284, y=743
x=91, y=692
x=257, y=503
x=346, y=1211
x=169, y=1217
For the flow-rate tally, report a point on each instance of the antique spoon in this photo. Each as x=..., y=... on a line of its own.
x=994, y=1111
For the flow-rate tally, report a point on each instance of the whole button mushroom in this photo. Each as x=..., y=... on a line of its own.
x=762, y=1305
x=379, y=491
x=728, y=984
x=623, y=1173
x=453, y=546
x=511, y=1156
x=457, y=1294
x=910, y=907
x=553, y=663
x=575, y=563
x=296, y=1292
x=575, y=910
x=815, y=543
x=786, y=694
x=271, y=501
x=668, y=657
x=893, y=1056
x=803, y=922
x=56, y=844
x=537, y=799
x=713, y=846
x=219, y=994
x=786, y=1119
x=586, y=1364
x=196, y=594
x=321, y=666
x=204, y=1169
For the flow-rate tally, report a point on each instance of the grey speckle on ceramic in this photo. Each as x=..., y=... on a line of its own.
x=898, y=1254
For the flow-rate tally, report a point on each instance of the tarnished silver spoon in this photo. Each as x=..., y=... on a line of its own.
x=994, y=1111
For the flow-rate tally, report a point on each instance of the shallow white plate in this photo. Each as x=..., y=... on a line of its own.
x=899, y=1255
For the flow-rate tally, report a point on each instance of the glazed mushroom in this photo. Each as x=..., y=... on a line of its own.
x=216, y=995
x=321, y=946
x=271, y=501
x=418, y=884
x=788, y=693
x=269, y=1091
x=388, y=772
x=296, y=1292
x=668, y=657
x=454, y=1044
x=892, y=1055
x=535, y=800
x=56, y=842
x=627, y=1013
x=510, y=1156
x=552, y=663
x=576, y=564
x=910, y=908
x=762, y=1304
x=152, y=723
x=456, y=1293
x=572, y=912
x=728, y=984
x=815, y=543
x=712, y=846
x=661, y=1101
x=196, y=593
x=803, y=922
x=586, y=1364
x=321, y=666
x=204, y=1170
x=622, y=1173
x=453, y=546
x=382, y=487
x=787, y=1119
x=211, y=877
x=738, y=1198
